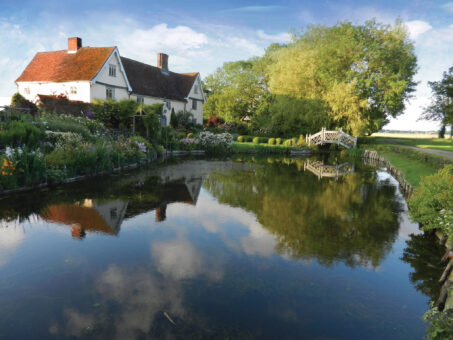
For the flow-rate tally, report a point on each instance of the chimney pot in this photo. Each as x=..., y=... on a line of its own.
x=74, y=44
x=162, y=61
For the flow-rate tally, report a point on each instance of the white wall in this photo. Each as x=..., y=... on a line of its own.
x=198, y=113
x=98, y=92
x=103, y=75
x=35, y=88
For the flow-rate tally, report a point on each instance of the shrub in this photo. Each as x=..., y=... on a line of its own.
x=152, y=125
x=432, y=203
x=18, y=133
x=288, y=142
x=116, y=115
x=241, y=139
x=64, y=140
x=440, y=324
x=185, y=119
x=63, y=123
x=173, y=119
x=62, y=105
x=189, y=143
x=216, y=143
x=190, y=135
x=256, y=140
x=271, y=141
x=214, y=121
x=278, y=141
x=301, y=141
x=19, y=101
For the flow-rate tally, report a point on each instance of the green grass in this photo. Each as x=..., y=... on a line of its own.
x=413, y=169
x=239, y=147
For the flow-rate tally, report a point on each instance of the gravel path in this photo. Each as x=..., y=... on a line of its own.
x=446, y=154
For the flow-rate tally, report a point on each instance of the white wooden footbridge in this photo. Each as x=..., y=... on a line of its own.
x=332, y=137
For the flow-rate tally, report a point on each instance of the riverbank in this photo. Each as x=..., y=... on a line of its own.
x=415, y=166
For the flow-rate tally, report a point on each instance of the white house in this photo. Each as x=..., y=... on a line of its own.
x=88, y=73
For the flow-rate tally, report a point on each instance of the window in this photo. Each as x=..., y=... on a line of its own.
x=109, y=93
x=168, y=105
x=112, y=70
x=195, y=89
x=27, y=90
x=194, y=104
x=73, y=90
x=141, y=99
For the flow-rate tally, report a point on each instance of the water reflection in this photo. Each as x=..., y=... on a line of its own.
x=354, y=219
x=249, y=248
x=326, y=170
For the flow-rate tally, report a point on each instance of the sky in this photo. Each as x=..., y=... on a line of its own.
x=201, y=35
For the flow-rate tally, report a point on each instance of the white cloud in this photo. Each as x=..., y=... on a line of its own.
x=278, y=38
x=417, y=28
x=10, y=239
x=448, y=6
x=243, y=44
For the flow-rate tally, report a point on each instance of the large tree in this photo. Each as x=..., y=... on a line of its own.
x=363, y=73
x=441, y=107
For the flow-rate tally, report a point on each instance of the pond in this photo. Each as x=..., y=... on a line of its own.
x=243, y=248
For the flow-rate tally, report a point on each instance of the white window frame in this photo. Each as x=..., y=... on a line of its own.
x=73, y=90
x=141, y=99
x=112, y=70
x=112, y=92
x=194, y=104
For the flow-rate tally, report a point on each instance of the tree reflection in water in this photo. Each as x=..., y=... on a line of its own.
x=353, y=219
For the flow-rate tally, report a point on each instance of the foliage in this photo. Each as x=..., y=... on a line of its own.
x=256, y=140
x=215, y=143
x=235, y=91
x=152, y=124
x=440, y=324
x=64, y=140
x=64, y=123
x=19, y=101
x=441, y=107
x=442, y=131
x=271, y=141
x=362, y=73
x=214, y=121
x=62, y=105
x=278, y=141
x=116, y=114
x=432, y=203
x=189, y=143
x=240, y=139
x=185, y=119
x=17, y=133
x=173, y=119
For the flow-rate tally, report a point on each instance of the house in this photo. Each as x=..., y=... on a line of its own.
x=88, y=73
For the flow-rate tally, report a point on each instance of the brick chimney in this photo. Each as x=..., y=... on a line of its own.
x=74, y=44
x=162, y=61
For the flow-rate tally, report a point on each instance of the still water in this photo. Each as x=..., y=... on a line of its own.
x=243, y=248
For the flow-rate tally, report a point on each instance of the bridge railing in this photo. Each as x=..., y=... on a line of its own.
x=332, y=137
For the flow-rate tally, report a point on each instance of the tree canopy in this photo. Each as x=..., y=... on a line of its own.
x=362, y=75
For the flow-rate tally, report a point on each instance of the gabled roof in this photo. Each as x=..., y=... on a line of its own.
x=152, y=81
x=61, y=66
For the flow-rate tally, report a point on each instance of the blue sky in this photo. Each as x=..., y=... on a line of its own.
x=201, y=35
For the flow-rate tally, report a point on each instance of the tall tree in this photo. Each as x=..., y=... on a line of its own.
x=363, y=73
x=441, y=107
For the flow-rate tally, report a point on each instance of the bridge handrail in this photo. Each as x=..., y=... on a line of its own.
x=334, y=137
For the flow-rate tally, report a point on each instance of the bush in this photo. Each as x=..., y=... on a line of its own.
x=256, y=140
x=271, y=141
x=64, y=140
x=173, y=119
x=432, y=203
x=185, y=119
x=190, y=135
x=62, y=105
x=19, y=101
x=214, y=121
x=216, y=144
x=152, y=125
x=17, y=133
x=288, y=142
x=440, y=324
x=278, y=141
x=115, y=115
x=63, y=123
x=301, y=141
x=240, y=139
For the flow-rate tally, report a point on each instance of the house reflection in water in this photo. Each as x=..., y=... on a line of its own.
x=101, y=216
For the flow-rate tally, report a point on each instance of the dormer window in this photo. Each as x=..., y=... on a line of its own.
x=73, y=90
x=112, y=70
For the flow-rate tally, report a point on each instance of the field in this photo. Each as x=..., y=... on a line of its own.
x=421, y=141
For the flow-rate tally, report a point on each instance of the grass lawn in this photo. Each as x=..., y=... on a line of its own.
x=239, y=147
x=412, y=169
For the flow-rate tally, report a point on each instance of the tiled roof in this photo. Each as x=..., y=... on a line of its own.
x=152, y=81
x=61, y=66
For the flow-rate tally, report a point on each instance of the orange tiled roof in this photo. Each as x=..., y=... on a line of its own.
x=61, y=66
